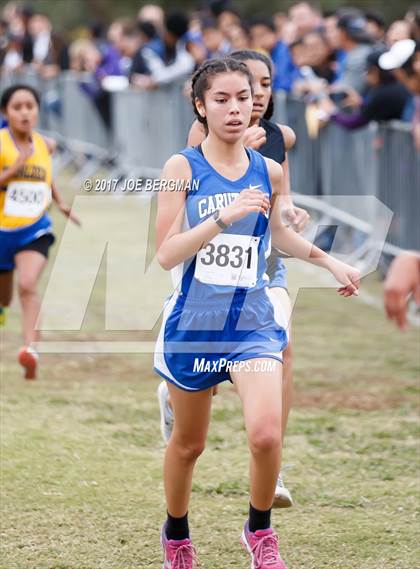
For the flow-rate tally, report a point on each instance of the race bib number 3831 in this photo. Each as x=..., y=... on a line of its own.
x=27, y=199
x=230, y=260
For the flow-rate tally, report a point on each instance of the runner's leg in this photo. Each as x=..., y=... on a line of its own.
x=192, y=417
x=30, y=265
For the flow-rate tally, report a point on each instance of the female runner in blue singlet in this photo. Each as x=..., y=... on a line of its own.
x=220, y=323
x=272, y=141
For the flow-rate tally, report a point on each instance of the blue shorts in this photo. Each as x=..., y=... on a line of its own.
x=13, y=240
x=276, y=271
x=199, y=342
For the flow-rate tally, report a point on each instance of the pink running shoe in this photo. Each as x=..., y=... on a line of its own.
x=178, y=554
x=263, y=546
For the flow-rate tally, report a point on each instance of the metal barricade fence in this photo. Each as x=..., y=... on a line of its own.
x=398, y=183
x=305, y=156
x=65, y=109
x=147, y=127
x=280, y=107
x=81, y=122
x=347, y=160
x=336, y=162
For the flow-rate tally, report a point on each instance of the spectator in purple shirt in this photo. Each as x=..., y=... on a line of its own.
x=86, y=57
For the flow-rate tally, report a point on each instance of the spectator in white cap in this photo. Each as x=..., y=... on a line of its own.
x=403, y=59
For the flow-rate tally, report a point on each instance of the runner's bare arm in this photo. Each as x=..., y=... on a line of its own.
x=51, y=144
x=197, y=134
x=56, y=195
x=296, y=217
x=289, y=141
x=289, y=136
x=62, y=206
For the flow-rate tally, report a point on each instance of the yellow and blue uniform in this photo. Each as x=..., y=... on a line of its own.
x=25, y=199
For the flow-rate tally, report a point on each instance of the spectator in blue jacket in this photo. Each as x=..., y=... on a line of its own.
x=263, y=36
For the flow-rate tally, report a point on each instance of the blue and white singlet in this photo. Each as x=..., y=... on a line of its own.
x=221, y=310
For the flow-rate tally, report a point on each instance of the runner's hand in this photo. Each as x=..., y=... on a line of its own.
x=248, y=201
x=402, y=282
x=66, y=210
x=347, y=276
x=254, y=137
x=24, y=154
x=294, y=217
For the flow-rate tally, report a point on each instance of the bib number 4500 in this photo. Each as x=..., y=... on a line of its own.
x=27, y=199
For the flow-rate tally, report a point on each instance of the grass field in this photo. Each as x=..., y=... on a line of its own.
x=81, y=452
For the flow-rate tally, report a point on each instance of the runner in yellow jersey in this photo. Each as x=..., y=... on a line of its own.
x=26, y=192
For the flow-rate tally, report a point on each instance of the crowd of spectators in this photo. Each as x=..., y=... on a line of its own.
x=350, y=66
